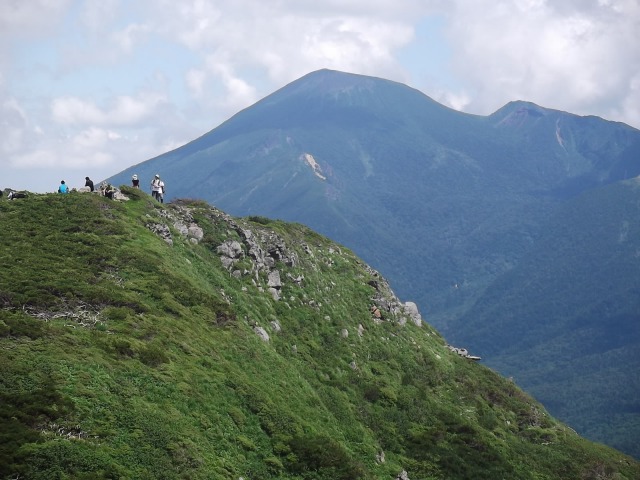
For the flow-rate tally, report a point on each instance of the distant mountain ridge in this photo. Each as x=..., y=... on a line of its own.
x=445, y=204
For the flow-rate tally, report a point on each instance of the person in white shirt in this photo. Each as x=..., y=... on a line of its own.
x=157, y=188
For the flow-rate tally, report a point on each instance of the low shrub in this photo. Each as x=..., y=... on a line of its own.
x=153, y=355
x=20, y=325
x=320, y=457
x=20, y=414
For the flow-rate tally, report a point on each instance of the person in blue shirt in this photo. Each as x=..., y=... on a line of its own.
x=63, y=188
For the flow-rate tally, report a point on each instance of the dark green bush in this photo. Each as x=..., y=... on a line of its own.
x=117, y=313
x=153, y=355
x=238, y=416
x=320, y=457
x=20, y=325
x=123, y=347
x=245, y=442
x=20, y=414
x=273, y=464
x=259, y=219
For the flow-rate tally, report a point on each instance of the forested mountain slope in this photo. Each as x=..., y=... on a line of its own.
x=573, y=305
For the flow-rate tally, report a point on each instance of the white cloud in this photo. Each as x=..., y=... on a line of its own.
x=98, y=86
x=73, y=110
x=238, y=92
x=97, y=15
x=195, y=80
x=628, y=108
x=32, y=18
x=128, y=38
x=92, y=139
x=570, y=55
x=289, y=39
x=13, y=121
x=86, y=147
x=123, y=110
x=38, y=158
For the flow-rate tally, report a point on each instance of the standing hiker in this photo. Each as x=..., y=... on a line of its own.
x=135, y=182
x=63, y=188
x=88, y=183
x=157, y=188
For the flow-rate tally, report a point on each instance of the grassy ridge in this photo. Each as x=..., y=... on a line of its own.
x=124, y=356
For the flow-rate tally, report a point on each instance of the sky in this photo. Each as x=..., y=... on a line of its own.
x=91, y=87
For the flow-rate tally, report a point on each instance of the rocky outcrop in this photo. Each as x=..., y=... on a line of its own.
x=230, y=252
x=270, y=258
x=403, y=475
x=387, y=304
x=411, y=309
x=262, y=333
x=463, y=352
x=274, y=283
x=162, y=231
x=181, y=219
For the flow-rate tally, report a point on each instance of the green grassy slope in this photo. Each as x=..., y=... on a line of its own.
x=126, y=356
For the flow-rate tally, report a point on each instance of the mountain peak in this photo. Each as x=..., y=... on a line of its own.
x=518, y=113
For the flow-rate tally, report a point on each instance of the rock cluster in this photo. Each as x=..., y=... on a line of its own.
x=182, y=220
x=267, y=253
x=386, y=303
x=463, y=352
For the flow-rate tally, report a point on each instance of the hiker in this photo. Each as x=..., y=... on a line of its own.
x=157, y=188
x=88, y=183
x=63, y=188
x=135, y=183
x=13, y=195
x=109, y=190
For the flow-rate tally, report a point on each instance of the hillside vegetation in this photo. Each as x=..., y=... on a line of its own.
x=149, y=341
x=467, y=215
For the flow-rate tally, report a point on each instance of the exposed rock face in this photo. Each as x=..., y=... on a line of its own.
x=275, y=293
x=385, y=302
x=118, y=195
x=411, y=309
x=180, y=218
x=195, y=232
x=262, y=333
x=403, y=475
x=274, y=283
x=270, y=258
x=274, y=279
x=317, y=170
x=162, y=231
x=463, y=352
x=230, y=252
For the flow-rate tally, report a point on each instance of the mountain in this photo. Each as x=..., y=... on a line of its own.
x=445, y=204
x=572, y=305
x=140, y=340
